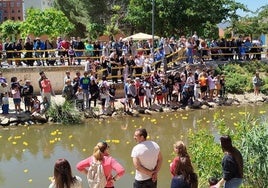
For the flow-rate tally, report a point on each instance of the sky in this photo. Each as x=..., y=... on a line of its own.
x=251, y=5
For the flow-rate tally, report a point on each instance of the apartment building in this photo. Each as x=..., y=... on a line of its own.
x=16, y=9
x=11, y=10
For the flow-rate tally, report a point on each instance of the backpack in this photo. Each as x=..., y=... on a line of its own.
x=95, y=176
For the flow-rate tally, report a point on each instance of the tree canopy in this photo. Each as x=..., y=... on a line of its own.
x=252, y=26
x=10, y=28
x=172, y=17
x=50, y=21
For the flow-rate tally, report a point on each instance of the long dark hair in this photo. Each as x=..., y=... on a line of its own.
x=229, y=149
x=185, y=169
x=63, y=174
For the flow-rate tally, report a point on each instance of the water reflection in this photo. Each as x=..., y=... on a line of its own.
x=29, y=153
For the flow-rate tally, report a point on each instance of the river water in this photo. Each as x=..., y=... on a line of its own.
x=28, y=153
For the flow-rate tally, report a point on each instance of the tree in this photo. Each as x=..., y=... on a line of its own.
x=179, y=17
x=10, y=28
x=90, y=15
x=50, y=22
x=252, y=26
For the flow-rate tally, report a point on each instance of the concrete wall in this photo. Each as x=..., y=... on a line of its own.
x=56, y=75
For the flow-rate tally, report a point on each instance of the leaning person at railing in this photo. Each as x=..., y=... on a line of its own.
x=114, y=60
x=122, y=63
x=28, y=46
x=38, y=46
x=139, y=65
x=158, y=57
x=17, y=54
x=130, y=64
x=64, y=47
x=97, y=50
x=49, y=54
x=79, y=48
x=9, y=47
x=189, y=51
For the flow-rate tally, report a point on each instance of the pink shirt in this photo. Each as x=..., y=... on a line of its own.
x=108, y=164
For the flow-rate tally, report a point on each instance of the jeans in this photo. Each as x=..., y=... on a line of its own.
x=145, y=184
x=233, y=183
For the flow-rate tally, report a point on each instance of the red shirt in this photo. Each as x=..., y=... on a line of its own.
x=65, y=45
x=46, y=86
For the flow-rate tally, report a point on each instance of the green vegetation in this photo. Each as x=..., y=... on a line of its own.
x=249, y=135
x=93, y=18
x=64, y=113
x=50, y=22
x=239, y=76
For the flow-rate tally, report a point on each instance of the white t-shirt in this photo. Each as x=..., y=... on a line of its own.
x=147, y=152
x=77, y=184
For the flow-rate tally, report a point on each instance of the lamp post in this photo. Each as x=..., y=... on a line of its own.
x=153, y=11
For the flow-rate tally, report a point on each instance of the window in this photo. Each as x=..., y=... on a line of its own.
x=11, y=4
x=5, y=18
x=12, y=18
x=19, y=11
x=4, y=4
x=12, y=11
x=1, y=4
x=19, y=18
x=18, y=4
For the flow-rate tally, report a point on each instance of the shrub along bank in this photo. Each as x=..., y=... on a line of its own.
x=239, y=76
x=249, y=135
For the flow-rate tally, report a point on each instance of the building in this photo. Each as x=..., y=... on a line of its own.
x=16, y=9
x=11, y=10
x=39, y=4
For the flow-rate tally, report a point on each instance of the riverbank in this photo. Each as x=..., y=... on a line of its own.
x=25, y=118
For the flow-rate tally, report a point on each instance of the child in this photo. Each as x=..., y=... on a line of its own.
x=112, y=90
x=36, y=106
x=148, y=95
x=79, y=101
x=5, y=103
x=71, y=54
x=45, y=105
x=15, y=91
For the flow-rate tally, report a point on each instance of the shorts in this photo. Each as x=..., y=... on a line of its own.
x=17, y=101
x=203, y=89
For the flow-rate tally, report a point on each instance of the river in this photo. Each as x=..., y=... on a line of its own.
x=28, y=153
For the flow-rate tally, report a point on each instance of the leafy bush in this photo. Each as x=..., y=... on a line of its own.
x=64, y=113
x=235, y=83
x=239, y=76
x=249, y=135
x=206, y=156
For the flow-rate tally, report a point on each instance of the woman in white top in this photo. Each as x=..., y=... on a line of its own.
x=63, y=177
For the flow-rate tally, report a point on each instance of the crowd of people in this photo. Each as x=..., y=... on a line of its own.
x=179, y=89
x=71, y=51
x=147, y=160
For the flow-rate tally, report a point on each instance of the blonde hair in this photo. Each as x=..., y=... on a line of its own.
x=99, y=150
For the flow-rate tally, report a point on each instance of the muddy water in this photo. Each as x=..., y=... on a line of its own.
x=27, y=154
